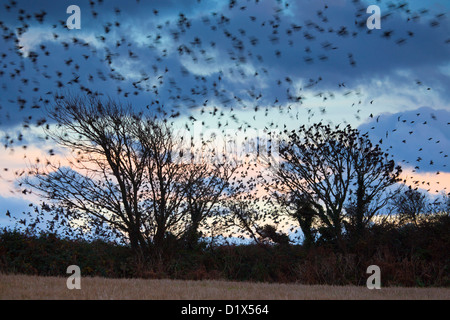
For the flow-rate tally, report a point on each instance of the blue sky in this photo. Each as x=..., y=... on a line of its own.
x=293, y=61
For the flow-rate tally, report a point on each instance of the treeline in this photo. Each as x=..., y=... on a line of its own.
x=412, y=254
x=132, y=178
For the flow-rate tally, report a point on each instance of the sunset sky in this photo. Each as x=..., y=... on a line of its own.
x=234, y=65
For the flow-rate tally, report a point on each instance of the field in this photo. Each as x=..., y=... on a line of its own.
x=95, y=288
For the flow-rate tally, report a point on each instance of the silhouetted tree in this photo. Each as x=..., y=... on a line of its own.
x=410, y=205
x=374, y=175
x=298, y=207
x=126, y=173
x=206, y=183
x=335, y=174
x=243, y=216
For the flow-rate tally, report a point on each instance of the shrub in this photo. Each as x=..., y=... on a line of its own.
x=408, y=255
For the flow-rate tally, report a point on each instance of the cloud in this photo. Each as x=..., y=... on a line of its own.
x=422, y=56
x=263, y=56
x=417, y=139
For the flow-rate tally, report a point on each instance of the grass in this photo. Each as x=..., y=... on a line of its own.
x=21, y=287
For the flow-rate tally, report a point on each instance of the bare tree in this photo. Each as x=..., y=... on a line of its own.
x=374, y=174
x=104, y=180
x=322, y=168
x=124, y=173
x=410, y=205
x=301, y=209
x=245, y=217
x=164, y=185
x=206, y=183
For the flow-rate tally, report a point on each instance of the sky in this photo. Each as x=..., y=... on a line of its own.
x=243, y=66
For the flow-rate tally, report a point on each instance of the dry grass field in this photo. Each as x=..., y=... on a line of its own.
x=52, y=288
